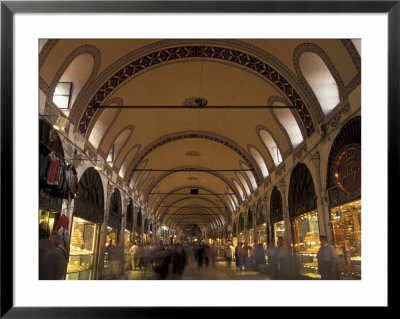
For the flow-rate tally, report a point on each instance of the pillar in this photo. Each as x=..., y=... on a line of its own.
x=123, y=220
x=110, y=190
x=134, y=228
x=264, y=201
x=322, y=206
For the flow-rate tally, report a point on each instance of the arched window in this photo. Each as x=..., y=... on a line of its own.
x=117, y=145
x=272, y=147
x=72, y=81
x=128, y=159
x=320, y=79
x=102, y=124
x=287, y=120
x=260, y=161
x=244, y=183
x=249, y=175
x=235, y=201
x=239, y=189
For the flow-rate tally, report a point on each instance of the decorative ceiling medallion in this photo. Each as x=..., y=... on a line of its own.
x=195, y=101
x=348, y=170
x=192, y=153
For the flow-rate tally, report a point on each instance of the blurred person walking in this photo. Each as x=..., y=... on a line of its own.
x=52, y=258
x=207, y=254
x=284, y=259
x=245, y=254
x=272, y=253
x=228, y=254
x=134, y=255
x=178, y=262
x=213, y=254
x=327, y=260
x=259, y=256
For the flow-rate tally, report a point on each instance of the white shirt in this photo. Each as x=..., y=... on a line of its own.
x=134, y=250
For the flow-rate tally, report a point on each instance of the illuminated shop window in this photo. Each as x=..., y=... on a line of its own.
x=279, y=230
x=346, y=226
x=83, y=250
x=307, y=244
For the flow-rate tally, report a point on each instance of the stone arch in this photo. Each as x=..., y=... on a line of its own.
x=84, y=49
x=233, y=57
x=203, y=135
x=312, y=47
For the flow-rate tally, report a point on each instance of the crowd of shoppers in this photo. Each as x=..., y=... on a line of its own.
x=169, y=262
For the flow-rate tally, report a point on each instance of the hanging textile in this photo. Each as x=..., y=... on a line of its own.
x=52, y=178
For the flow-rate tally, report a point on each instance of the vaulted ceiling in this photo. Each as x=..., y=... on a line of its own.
x=139, y=100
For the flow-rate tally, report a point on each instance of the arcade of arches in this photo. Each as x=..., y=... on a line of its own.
x=212, y=142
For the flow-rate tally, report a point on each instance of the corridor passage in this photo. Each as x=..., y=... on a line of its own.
x=193, y=272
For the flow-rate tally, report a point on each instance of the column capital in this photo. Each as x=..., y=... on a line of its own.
x=126, y=201
x=314, y=160
x=110, y=189
x=281, y=185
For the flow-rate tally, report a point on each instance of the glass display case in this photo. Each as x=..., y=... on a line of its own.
x=307, y=243
x=261, y=236
x=83, y=250
x=279, y=230
x=346, y=227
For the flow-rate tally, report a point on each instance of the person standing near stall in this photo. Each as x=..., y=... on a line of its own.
x=327, y=261
x=284, y=259
x=228, y=254
x=272, y=253
x=134, y=255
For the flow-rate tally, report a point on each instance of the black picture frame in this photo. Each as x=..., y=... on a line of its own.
x=9, y=8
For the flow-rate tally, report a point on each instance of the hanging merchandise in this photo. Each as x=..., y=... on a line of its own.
x=62, y=228
x=52, y=177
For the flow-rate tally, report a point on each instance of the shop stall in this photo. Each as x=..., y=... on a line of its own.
x=241, y=235
x=87, y=219
x=261, y=226
x=113, y=235
x=344, y=195
x=304, y=221
x=276, y=216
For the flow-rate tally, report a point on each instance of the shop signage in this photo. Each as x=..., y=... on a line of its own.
x=48, y=201
x=88, y=211
x=114, y=224
x=348, y=170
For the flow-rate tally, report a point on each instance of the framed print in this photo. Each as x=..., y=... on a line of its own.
x=196, y=156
